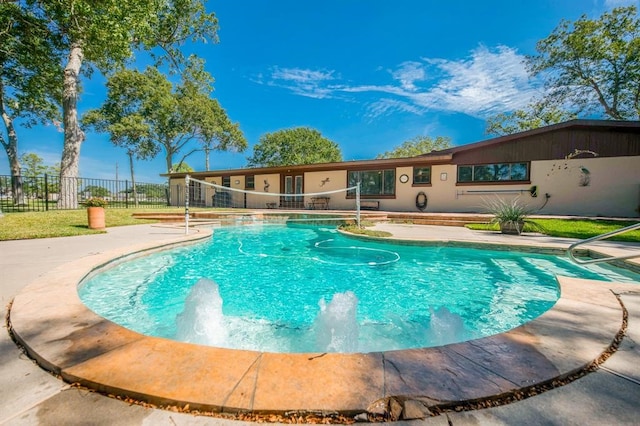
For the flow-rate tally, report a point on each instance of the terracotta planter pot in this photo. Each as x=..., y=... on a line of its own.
x=96, y=217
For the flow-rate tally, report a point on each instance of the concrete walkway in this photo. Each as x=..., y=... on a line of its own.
x=28, y=395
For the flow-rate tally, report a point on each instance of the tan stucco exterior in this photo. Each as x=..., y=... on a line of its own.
x=580, y=187
x=602, y=178
x=613, y=187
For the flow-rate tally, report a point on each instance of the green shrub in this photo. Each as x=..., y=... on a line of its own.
x=95, y=202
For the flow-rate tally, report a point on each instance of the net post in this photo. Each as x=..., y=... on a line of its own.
x=186, y=205
x=358, y=204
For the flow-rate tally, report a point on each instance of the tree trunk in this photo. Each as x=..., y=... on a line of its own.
x=11, y=147
x=169, y=159
x=73, y=135
x=133, y=180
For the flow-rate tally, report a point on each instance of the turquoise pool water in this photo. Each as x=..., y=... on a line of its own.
x=282, y=288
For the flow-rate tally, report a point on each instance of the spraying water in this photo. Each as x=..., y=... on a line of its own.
x=202, y=320
x=334, y=329
x=335, y=326
x=445, y=327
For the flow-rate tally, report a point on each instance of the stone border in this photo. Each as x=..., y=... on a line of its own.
x=68, y=339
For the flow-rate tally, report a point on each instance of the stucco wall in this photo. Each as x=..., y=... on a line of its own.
x=579, y=187
x=329, y=181
x=612, y=189
x=267, y=183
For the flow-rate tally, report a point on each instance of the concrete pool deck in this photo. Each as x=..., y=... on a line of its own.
x=68, y=339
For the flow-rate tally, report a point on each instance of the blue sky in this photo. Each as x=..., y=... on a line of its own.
x=367, y=74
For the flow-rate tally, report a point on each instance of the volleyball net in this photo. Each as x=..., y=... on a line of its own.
x=337, y=204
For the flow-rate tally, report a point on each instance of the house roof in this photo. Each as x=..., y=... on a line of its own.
x=572, y=124
x=435, y=157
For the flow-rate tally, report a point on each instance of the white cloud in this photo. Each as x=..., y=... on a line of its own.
x=387, y=106
x=486, y=82
x=303, y=82
x=408, y=73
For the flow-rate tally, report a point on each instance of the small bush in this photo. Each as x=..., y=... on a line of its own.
x=507, y=211
x=95, y=202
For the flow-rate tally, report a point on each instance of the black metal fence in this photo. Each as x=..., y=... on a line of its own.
x=41, y=193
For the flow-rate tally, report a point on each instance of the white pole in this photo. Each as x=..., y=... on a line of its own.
x=186, y=205
x=358, y=204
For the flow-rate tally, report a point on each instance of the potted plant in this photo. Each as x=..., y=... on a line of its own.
x=95, y=212
x=508, y=214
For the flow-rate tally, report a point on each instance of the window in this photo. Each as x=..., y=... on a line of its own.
x=226, y=181
x=373, y=182
x=494, y=172
x=250, y=182
x=196, y=194
x=421, y=175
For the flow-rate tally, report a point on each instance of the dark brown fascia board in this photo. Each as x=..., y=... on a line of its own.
x=344, y=165
x=577, y=124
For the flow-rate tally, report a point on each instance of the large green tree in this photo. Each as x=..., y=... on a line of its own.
x=146, y=113
x=33, y=165
x=589, y=67
x=33, y=169
x=300, y=145
x=534, y=116
x=29, y=80
x=593, y=66
x=418, y=146
x=103, y=35
x=203, y=117
x=125, y=125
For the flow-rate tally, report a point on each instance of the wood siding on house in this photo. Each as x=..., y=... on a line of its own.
x=554, y=146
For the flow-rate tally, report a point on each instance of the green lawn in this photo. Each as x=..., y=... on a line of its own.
x=62, y=223
x=573, y=228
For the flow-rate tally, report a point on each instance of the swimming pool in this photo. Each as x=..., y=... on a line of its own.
x=281, y=288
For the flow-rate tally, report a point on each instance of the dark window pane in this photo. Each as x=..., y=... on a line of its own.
x=250, y=182
x=493, y=172
x=519, y=171
x=483, y=173
x=371, y=183
x=389, y=183
x=465, y=173
x=422, y=175
x=298, y=185
x=503, y=171
x=352, y=180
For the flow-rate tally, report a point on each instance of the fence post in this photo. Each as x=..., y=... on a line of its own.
x=126, y=194
x=46, y=192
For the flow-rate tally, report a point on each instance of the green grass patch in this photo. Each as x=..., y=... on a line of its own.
x=572, y=228
x=354, y=229
x=63, y=223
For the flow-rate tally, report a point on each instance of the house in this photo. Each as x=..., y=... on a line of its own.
x=578, y=168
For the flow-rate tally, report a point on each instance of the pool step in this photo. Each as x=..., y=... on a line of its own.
x=439, y=219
